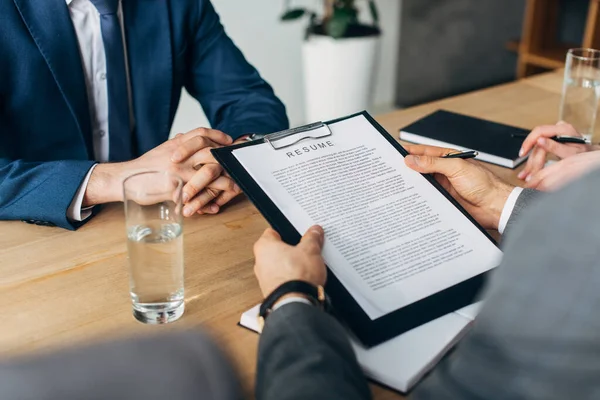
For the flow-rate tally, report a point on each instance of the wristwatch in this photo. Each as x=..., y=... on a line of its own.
x=316, y=294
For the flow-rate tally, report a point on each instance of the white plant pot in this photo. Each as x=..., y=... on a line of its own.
x=339, y=75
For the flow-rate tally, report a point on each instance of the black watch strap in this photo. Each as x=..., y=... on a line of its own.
x=315, y=293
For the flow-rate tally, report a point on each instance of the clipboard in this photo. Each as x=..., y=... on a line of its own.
x=369, y=332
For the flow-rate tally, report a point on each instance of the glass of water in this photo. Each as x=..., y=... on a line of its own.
x=155, y=245
x=581, y=91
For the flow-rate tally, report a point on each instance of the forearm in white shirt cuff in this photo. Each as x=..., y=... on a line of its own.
x=75, y=212
x=509, y=206
x=290, y=300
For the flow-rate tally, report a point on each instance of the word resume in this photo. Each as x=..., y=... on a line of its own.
x=391, y=237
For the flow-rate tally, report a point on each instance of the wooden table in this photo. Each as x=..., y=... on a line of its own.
x=59, y=288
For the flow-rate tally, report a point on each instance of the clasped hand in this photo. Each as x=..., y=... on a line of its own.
x=207, y=187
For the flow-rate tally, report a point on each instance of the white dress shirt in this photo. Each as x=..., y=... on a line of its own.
x=86, y=21
x=508, y=208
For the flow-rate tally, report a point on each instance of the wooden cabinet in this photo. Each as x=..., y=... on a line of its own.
x=539, y=49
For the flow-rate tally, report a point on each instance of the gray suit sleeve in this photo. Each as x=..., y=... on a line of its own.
x=538, y=334
x=304, y=354
x=180, y=366
x=526, y=199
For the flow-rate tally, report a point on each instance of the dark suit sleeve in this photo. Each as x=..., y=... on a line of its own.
x=525, y=199
x=181, y=366
x=537, y=336
x=305, y=354
x=234, y=97
x=40, y=191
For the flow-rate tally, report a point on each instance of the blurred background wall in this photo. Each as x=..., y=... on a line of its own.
x=456, y=46
x=430, y=48
x=274, y=48
x=572, y=21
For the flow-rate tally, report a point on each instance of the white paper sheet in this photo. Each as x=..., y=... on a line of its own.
x=391, y=238
x=402, y=361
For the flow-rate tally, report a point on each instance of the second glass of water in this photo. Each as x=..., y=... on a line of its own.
x=155, y=246
x=581, y=91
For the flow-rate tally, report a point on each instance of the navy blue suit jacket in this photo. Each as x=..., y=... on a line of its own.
x=45, y=130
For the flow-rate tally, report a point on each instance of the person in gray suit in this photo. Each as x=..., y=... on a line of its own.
x=536, y=337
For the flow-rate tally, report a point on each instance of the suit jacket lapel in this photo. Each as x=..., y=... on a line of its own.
x=148, y=33
x=49, y=23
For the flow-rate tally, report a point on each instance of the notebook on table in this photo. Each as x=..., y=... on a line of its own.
x=496, y=143
x=402, y=362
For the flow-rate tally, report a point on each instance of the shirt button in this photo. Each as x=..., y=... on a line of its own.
x=101, y=76
x=101, y=133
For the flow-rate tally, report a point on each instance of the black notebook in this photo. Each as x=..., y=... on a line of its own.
x=494, y=142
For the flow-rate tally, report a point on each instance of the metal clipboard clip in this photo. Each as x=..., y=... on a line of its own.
x=290, y=137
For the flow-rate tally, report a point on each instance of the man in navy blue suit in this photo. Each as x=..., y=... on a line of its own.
x=88, y=93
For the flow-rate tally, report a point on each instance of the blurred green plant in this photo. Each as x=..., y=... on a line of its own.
x=337, y=20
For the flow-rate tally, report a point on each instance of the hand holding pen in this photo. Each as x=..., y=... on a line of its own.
x=558, y=139
x=474, y=186
x=561, y=140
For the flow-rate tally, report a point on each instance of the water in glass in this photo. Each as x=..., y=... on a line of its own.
x=156, y=271
x=579, y=105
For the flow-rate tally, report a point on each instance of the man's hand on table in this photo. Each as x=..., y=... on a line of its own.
x=277, y=262
x=209, y=187
x=188, y=156
x=539, y=144
x=477, y=189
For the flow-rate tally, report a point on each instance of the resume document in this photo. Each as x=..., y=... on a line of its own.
x=391, y=237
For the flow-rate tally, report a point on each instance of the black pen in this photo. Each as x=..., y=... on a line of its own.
x=558, y=139
x=462, y=155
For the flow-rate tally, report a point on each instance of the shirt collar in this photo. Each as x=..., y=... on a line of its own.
x=69, y=2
